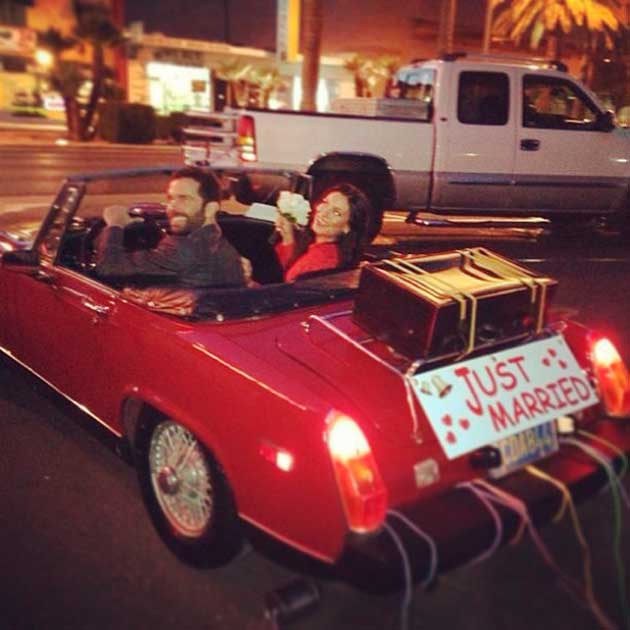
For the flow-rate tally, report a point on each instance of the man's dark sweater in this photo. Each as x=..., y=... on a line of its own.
x=201, y=258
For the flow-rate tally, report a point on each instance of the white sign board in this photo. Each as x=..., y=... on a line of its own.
x=480, y=401
x=21, y=41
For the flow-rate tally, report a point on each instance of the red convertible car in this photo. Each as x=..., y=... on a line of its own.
x=350, y=414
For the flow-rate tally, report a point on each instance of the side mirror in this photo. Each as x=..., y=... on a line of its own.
x=21, y=258
x=605, y=121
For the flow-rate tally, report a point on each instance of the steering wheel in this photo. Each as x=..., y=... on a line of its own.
x=86, y=250
x=138, y=235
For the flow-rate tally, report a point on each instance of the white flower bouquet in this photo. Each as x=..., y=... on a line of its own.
x=294, y=207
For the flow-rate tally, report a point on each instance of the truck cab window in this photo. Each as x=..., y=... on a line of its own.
x=483, y=98
x=551, y=103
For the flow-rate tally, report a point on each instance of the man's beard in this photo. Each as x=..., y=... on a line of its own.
x=180, y=223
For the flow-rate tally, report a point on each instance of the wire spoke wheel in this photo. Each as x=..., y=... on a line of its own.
x=181, y=480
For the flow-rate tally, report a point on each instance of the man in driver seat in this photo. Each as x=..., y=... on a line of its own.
x=193, y=253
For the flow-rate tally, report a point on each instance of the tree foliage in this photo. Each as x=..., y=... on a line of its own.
x=587, y=22
x=94, y=30
x=369, y=72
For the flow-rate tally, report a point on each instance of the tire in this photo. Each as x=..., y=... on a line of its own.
x=187, y=495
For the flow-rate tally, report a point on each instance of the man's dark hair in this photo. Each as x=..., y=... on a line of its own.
x=209, y=186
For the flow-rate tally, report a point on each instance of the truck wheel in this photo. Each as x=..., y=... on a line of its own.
x=187, y=495
x=367, y=184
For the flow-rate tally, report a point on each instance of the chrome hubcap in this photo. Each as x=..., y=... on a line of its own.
x=181, y=479
x=168, y=481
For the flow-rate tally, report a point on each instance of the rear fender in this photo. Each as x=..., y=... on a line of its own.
x=141, y=405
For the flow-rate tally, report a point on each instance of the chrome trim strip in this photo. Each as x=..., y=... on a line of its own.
x=83, y=408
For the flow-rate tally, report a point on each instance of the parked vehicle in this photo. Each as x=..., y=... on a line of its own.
x=341, y=413
x=465, y=135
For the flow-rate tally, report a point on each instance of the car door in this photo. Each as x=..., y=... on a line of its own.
x=63, y=316
x=566, y=160
x=474, y=154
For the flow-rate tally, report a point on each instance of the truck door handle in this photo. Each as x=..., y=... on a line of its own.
x=530, y=144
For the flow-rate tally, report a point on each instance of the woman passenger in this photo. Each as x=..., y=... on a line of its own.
x=335, y=238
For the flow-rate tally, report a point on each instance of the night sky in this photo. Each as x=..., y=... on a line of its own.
x=348, y=24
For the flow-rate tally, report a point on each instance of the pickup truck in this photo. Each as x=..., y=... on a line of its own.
x=465, y=135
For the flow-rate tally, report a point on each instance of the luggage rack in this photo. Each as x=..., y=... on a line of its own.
x=405, y=371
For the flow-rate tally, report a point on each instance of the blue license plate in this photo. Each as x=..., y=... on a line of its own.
x=525, y=448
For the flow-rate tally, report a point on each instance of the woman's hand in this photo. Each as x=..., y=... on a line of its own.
x=285, y=229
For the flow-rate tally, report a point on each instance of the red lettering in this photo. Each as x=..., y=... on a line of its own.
x=581, y=388
x=531, y=403
x=519, y=411
x=474, y=405
x=506, y=375
x=500, y=417
x=543, y=399
x=492, y=389
x=553, y=387
x=517, y=361
x=567, y=390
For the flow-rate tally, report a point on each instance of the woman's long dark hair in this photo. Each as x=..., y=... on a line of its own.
x=350, y=245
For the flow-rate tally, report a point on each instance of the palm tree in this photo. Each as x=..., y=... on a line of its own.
x=385, y=67
x=95, y=27
x=64, y=77
x=233, y=71
x=368, y=72
x=358, y=65
x=267, y=79
x=590, y=22
x=312, y=22
x=446, y=35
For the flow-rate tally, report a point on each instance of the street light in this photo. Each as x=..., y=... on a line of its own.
x=44, y=58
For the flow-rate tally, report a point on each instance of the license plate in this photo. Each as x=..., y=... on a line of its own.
x=525, y=448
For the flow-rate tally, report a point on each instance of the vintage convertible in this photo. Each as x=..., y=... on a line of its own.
x=346, y=414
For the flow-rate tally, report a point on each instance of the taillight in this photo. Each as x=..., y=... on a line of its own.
x=613, y=382
x=247, y=139
x=363, y=493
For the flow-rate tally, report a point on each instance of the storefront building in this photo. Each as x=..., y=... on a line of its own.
x=174, y=74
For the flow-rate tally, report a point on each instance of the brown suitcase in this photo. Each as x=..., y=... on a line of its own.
x=450, y=304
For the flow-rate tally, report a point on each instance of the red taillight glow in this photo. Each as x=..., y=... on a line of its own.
x=363, y=493
x=247, y=139
x=612, y=378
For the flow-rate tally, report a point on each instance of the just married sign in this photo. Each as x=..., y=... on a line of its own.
x=483, y=400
